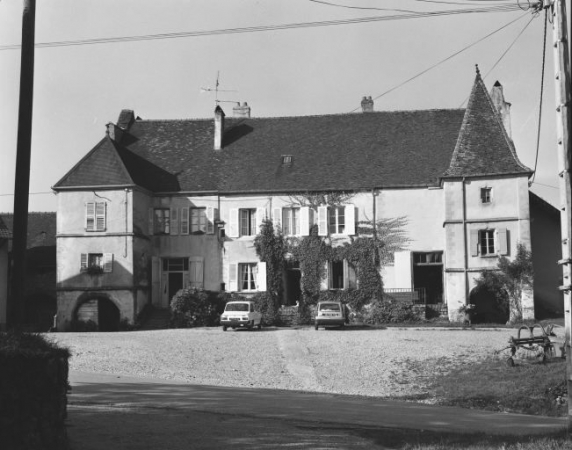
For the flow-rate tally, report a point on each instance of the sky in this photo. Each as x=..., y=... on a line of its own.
x=295, y=71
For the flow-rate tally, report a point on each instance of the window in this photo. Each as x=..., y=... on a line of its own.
x=198, y=220
x=95, y=219
x=161, y=221
x=175, y=265
x=247, y=276
x=487, y=242
x=291, y=221
x=428, y=258
x=96, y=262
x=336, y=220
x=486, y=195
x=342, y=275
x=247, y=218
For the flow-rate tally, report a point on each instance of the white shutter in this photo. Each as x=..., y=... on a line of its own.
x=260, y=216
x=83, y=262
x=186, y=280
x=350, y=216
x=108, y=262
x=100, y=209
x=233, y=223
x=185, y=220
x=322, y=220
x=151, y=222
x=474, y=237
x=277, y=219
x=305, y=221
x=90, y=216
x=210, y=219
x=403, y=278
x=502, y=241
x=232, y=277
x=156, y=278
x=174, y=226
x=261, y=277
x=196, y=270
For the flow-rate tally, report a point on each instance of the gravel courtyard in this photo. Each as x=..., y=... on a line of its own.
x=373, y=362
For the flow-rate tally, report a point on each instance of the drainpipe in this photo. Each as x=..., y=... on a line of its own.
x=126, y=222
x=466, y=259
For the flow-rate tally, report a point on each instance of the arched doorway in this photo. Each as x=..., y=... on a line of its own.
x=99, y=310
x=487, y=307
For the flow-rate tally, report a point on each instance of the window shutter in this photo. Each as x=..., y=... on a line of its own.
x=502, y=239
x=186, y=280
x=474, y=243
x=233, y=223
x=350, y=213
x=260, y=216
x=322, y=220
x=185, y=220
x=90, y=216
x=196, y=269
x=261, y=277
x=83, y=262
x=151, y=222
x=156, y=278
x=108, y=262
x=305, y=221
x=210, y=219
x=174, y=219
x=100, y=216
x=277, y=219
x=233, y=277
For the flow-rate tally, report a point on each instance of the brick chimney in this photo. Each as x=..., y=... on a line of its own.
x=218, y=127
x=124, y=122
x=502, y=107
x=241, y=111
x=367, y=104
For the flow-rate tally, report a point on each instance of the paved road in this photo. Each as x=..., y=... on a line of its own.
x=136, y=413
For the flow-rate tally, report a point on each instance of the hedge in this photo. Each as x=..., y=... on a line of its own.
x=33, y=393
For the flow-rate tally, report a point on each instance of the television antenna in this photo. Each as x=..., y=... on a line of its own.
x=216, y=90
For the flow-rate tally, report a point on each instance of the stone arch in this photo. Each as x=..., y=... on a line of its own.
x=99, y=308
x=487, y=308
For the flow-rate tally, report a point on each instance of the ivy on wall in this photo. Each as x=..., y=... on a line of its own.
x=371, y=248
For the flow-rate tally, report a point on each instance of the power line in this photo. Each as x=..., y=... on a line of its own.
x=541, y=95
x=444, y=60
x=225, y=31
x=30, y=193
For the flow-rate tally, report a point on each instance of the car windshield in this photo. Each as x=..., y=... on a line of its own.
x=236, y=307
x=329, y=307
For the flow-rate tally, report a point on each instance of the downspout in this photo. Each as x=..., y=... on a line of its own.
x=126, y=222
x=466, y=251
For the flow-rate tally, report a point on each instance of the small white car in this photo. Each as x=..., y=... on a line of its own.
x=240, y=314
x=330, y=314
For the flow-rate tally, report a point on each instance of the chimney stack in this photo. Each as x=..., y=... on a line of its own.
x=502, y=107
x=218, y=127
x=114, y=132
x=241, y=111
x=367, y=104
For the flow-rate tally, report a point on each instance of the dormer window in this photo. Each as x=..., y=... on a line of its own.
x=486, y=195
x=286, y=160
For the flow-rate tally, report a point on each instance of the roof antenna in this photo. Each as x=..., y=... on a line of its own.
x=217, y=90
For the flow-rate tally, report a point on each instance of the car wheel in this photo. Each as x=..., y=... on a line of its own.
x=224, y=328
x=250, y=325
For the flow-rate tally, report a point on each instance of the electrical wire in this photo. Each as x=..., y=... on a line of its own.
x=503, y=55
x=443, y=60
x=255, y=29
x=541, y=95
x=30, y=193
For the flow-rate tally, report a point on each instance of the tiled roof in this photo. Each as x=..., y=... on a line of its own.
x=483, y=147
x=329, y=152
x=41, y=228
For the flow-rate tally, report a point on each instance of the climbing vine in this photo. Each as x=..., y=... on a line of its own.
x=366, y=253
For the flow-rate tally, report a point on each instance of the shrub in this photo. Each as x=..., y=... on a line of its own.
x=265, y=303
x=389, y=312
x=196, y=308
x=83, y=326
x=33, y=393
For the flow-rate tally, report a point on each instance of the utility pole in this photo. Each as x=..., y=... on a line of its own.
x=23, y=154
x=564, y=149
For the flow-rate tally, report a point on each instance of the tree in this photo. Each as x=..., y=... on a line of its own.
x=509, y=281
